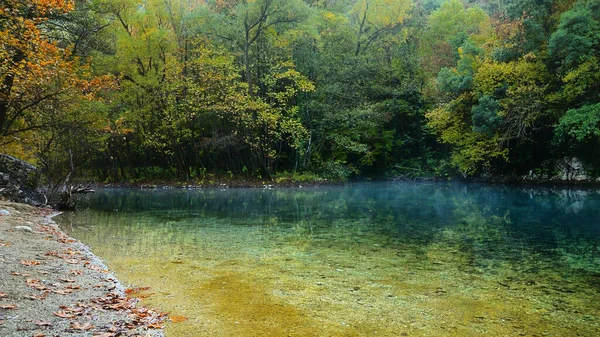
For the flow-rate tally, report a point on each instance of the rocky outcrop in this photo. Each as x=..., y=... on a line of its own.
x=19, y=181
x=572, y=169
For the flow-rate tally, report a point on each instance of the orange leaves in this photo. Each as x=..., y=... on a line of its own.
x=8, y=306
x=30, y=262
x=2, y=294
x=132, y=291
x=81, y=326
x=95, y=268
x=177, y=319
x=66, y=280
x=141, y=317
x=4, y=243
x=37, y=298
x=34, y=283
x=43, y=323
x=63, y=314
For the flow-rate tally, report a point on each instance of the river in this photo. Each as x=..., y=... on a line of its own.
x=373, y=259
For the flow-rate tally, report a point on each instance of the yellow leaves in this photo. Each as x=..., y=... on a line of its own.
x=52, y=7
x=381, y=13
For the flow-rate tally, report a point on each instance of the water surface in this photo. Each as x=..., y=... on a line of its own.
x=393, y=259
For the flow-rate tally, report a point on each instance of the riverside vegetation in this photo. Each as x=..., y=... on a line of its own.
x=129, y=90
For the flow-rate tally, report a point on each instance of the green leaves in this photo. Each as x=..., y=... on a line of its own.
x=580, y=125
x=578, y=35
x=485, y=116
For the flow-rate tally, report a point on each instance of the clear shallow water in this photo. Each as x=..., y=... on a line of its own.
x=389, y=259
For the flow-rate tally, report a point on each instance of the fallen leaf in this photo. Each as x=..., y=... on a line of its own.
x=76, y=272
x=136, y=290
x=66, y=280
x=39, y=335
x=36, y=298
x=43, y=323
x=79, y=326
x=63, y=314
x=62, y=291
x=103, y=334
x=30, y=262
x=2, y=294
x=8, y=306
x=72, y=261
x=35, y=284
x=177, y=319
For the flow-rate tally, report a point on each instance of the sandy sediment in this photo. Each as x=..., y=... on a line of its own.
x=52, y=285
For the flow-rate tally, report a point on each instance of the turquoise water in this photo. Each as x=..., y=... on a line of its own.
x=378, y=259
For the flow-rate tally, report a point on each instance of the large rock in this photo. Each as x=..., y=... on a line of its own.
x=19, y=181
x=572, y=169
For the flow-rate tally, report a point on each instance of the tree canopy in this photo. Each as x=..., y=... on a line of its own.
x=175, y=89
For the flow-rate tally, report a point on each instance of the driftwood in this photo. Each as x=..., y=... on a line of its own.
x=67, y=202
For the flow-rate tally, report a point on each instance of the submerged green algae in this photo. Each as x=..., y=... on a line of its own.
x=367, y=260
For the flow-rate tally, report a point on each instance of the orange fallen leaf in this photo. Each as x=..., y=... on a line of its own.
x=39, y=335
x=177, y=319
x=136, y=290
x=43, y=323
x=79, y=326
x=76, y=272
x=30, y=262
x=63, y=314
x=35, y=298
x=8, y=306
x=62, y=291
x=103, y=334
x=66, y=280
x=2, y=294
x=72, y=261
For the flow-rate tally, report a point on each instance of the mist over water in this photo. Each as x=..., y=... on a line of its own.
x=359, y=260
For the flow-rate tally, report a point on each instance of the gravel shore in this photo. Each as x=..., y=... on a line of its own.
x=52, y=285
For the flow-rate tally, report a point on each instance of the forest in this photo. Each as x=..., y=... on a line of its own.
x=134, y=90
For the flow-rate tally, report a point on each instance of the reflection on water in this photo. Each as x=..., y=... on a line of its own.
x=361, y=260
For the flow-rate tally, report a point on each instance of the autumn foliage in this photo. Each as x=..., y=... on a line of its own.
x=40, y=80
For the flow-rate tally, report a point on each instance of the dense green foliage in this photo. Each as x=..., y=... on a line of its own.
x=179, y=89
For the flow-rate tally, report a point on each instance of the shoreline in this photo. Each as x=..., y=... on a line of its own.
x=497, y=181
x=53, y=284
